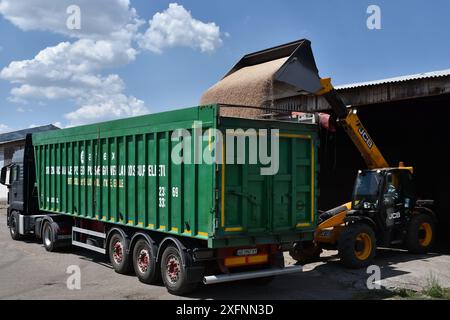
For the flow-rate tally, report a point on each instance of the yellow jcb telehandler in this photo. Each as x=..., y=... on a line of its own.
x=384, y=210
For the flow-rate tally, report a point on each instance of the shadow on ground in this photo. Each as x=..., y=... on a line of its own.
x=327, y=279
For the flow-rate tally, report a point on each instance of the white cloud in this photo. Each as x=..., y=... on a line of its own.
x=99, y=18
x=98, y=98
x=72, y=70
x=69, y=71
x=4, y=128
x=17, y=100
x=65, y=60
x=176, y=27
x=107, y=107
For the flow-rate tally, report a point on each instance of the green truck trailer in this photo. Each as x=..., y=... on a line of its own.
x=185, y=196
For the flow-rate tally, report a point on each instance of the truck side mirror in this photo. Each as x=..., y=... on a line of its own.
x=4, y=177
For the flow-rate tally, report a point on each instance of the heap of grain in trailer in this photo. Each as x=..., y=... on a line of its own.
x=266, y=81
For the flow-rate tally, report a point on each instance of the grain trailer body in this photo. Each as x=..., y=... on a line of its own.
x=119, y=188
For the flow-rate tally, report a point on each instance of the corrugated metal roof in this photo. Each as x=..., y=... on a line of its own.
x=21, y=134
x=425, y=75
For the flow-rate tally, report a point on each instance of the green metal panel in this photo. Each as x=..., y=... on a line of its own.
x=257, y=209
x=122, y=172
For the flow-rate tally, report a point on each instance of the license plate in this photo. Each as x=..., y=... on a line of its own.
x=246, y=252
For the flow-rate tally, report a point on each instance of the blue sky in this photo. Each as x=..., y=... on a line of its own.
x=413, y=39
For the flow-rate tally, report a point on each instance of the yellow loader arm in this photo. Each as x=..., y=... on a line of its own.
x=352, y=125
x=330, y=229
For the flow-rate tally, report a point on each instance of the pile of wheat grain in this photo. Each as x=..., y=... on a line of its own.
x=249, y=86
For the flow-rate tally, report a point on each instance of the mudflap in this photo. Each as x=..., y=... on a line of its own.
x=195, y=273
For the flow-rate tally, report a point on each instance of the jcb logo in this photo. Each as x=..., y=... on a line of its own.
x=395, y=215
x=366, y=137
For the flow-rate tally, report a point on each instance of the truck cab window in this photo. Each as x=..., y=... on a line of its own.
x=13, y=174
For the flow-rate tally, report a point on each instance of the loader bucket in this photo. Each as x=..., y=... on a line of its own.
x=260, y=79
x=299, y=71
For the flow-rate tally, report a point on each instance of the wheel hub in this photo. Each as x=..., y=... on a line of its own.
x=47, y=238
x=425, y=234
x=173, y=269
x=13, y=226
x=143, y=260
x=363, y=246
x=118, y=252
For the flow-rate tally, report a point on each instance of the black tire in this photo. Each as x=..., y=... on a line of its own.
x=173, y=273
x=14, y=226
x=421, y=234
x=306, y=252
x=118, y=256
x=144, y=262
x=48, y=237
x=357, y=245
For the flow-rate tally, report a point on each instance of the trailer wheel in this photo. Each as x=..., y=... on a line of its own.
x=118, y=255
x=48, y=237
x=14, y=226
x=421, y=234
x=173, y=272
x=144, y=262
x=357, y=245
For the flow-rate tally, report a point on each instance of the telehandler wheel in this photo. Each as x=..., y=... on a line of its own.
x=305, y=252
x=357, y=245
x=421, y=234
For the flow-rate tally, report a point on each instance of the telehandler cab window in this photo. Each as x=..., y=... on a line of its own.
x=399, y=189
x=366, y=192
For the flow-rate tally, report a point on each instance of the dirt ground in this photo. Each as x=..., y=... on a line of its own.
x=27, y=271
